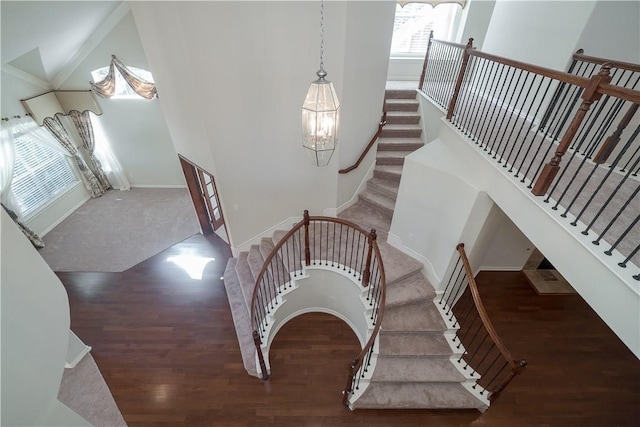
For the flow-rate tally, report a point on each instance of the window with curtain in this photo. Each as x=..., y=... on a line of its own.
x=414, y=22
x=40, y=174
x=123, y=90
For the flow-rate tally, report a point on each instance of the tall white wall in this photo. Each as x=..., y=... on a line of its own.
x=232, y=78
x=365, y=68
x=136, y=128
x=35, y=333
x=538, y=32
x=613, y=31
x=474, y=21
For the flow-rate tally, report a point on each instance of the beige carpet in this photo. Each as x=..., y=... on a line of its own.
x=120, y=229
x=84, y=390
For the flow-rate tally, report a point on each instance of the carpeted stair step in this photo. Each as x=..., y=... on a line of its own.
x=399, y=144
x=245, y=277
x=401, y=131
x=391, y=157
x=415, y=369
x=397, y=265
x=401, y=105
x=401, y=93
x=417, y=396
x=401, y=343
x=255, y=261
x=384, y=187
x=241, y=317
x=408, y=290
x=384, y=203
x=266, y=246
x=403, y=117
x=390, y=172
x=367, y=217
x=417, y=316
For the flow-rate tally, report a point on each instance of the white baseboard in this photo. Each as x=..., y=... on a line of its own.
x=498, y=268
x=63, y=217
x=159, y=186
x=360, y=189
x=332, y=212
x=427, y=267
x=255, y=240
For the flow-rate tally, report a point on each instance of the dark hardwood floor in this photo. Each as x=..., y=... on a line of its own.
x=166, y=346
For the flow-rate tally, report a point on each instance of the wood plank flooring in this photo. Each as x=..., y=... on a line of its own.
x=166, y=346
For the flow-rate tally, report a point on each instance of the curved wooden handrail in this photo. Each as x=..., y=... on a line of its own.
x=372, y=242
x=357, y=362
x=515, y=366
x=580, y=56
x=383, y=122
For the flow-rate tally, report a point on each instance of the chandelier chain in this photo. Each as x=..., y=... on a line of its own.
x=321, y=34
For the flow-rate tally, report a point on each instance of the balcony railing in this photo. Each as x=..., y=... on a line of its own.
x=570, y=139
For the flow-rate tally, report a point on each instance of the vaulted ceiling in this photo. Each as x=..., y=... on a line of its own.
x=42, y=37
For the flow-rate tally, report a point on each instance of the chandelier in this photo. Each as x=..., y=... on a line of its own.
x=320, y=112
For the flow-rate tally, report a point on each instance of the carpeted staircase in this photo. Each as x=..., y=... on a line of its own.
x=413, y=368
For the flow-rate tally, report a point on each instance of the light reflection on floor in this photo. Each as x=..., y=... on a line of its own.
x=193, y=265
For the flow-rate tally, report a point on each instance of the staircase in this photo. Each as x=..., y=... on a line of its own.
x=413, y=368
x=401, y=135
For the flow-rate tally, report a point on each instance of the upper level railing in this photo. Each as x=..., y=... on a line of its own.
x=329, y=242
x=512, y=111
x=482, y=351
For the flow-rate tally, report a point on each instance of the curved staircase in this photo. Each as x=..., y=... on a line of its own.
x=413, y=367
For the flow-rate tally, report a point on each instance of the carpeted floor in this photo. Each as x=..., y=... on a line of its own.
x=120, y=229
x=84, y=390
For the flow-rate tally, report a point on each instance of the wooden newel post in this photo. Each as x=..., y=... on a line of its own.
x=366, y=274
x=589, y=96
x=463, y=70
x=263, y=366
x=612, y=141
x=307, y=250
x=426, y=60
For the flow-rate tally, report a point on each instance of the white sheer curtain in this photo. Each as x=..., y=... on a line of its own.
x=39, y=134
x=7, y=160
x=104, y=153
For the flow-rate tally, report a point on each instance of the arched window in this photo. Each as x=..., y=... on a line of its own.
x=123, y=90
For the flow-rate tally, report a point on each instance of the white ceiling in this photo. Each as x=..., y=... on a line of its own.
x=41, y=37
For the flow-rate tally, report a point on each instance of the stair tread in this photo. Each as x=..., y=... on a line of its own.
x=402, y=343
x=255, y=260
x=418, y=396
x=410, y=289
x=384, y=186
x=418, y=316
x=245, y=277
x=403, y=113
x=393, y=153
x=416, y=369
x=401, y=101
x=411, y=126
x=377, y=199
x=392, y=169
x=241, y=317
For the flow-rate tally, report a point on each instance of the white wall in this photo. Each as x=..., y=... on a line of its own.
x=365, y=68
x=236, y=109
x=538, y=32
x=35, y=332
x=474, y=22
x=613, y=31
x=136, y=128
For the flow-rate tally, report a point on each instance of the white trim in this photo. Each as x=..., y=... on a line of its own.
x=332, y=212
x=35, y=214
x=159, y=186
x=27, y=77
x=427, y=268
x=78, y=358
x=497, y=268
x=92, y=42
x=360, y=189
x=286, y=224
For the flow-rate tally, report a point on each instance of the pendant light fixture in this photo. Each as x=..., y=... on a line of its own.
x=320, y=113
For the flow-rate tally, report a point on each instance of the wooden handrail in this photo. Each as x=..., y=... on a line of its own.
x=448, y=43
x=543, y=71
x=357, y=362
x=580, y=56
x=383, y=122
x=620, y=92
x=426, y=61
x=463, y=71
x=516, y=366
x=305, y=222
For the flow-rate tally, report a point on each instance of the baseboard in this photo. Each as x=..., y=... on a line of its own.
x=498, y=268
x=332, y=212
x=427, y=268
x=359, y=190
x=72, y=363
x=63, y=217
x=159, y=186
x=283, y=225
